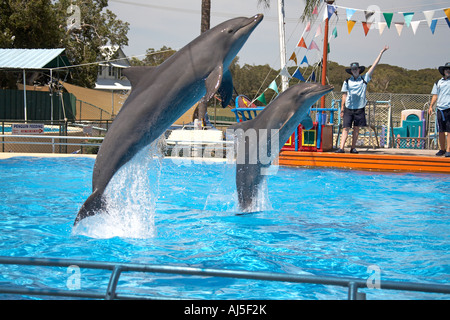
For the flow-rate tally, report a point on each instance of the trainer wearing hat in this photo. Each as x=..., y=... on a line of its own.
x=354, y=101
x=441, y=97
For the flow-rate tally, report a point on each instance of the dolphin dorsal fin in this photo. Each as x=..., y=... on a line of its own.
x=135, y=74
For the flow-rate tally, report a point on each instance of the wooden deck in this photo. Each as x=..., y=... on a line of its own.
x=370, y=159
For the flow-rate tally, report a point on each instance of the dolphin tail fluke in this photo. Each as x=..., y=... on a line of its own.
x=91, y=206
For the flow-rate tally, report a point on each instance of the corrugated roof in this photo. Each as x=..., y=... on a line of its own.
x=30, y=58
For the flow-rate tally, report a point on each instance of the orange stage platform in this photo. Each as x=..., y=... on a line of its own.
x=376, y=160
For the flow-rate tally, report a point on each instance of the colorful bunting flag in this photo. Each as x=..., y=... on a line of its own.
x=433, y=25
x=325, y=15
x=293, y=58
x=381, y=27
x=308, y=26
x=330, y=10
x=302, y=43
x=313, y=45
x=298, y=75
x=350, y=25
x=262, y=98
x=315, y=11
x=368, y=14
x=350, y=13
x=318, y=31
x=388, y=17
x=305, y=60
x=335, y=32
x=415, y=25
x=313, y=77
x=429, y=16
x=284, y=72
x=366, y=27
x=448, y=22
x=399, y=27
x=447, y=12
x=273, y=86
x=408, y=17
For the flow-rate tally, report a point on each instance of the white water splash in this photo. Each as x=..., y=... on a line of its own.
x=131, y=199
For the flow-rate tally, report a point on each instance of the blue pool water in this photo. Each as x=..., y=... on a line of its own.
x=320, y=222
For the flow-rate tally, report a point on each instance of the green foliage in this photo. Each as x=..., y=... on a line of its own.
x=43, y=24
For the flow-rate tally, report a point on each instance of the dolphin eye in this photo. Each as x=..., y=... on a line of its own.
x=230, y=30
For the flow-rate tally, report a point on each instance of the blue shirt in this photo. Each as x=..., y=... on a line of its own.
x=356, y=91
x=442, y=89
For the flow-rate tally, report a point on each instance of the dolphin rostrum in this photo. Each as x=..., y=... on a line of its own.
x=162, y=94
x=260, y=140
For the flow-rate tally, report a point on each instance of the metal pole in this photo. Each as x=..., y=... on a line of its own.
x=325, y=55
x=24, y=96
x=284, y=79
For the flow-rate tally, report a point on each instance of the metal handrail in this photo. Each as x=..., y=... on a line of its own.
x=116, y=268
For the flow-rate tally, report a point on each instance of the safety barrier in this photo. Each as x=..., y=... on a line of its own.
x=352, y=284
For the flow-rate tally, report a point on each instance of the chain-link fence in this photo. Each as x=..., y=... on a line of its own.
x=383, y=112
x=385, y=125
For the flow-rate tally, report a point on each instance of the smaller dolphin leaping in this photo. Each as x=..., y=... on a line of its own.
x=160, y=95
x=260, y=140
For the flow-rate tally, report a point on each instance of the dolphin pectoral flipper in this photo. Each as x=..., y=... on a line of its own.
x=307, y=123
x=91, y=206
x=213, y=81
x=226, y=88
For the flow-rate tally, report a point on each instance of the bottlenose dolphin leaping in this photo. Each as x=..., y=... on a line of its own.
x=160, y=95
x=261, y=139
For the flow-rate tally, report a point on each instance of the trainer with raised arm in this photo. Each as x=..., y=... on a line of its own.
x=441, y=98
x=354, y=101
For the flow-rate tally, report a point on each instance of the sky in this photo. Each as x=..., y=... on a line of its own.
x=174, y=23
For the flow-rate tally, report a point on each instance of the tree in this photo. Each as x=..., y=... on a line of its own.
x=206, y=15
x=98, y=27
x=44, y=24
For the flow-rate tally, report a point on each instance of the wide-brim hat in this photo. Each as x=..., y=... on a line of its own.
x=355, y=65
x=442, y=68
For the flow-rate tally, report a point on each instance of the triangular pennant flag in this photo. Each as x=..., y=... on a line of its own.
x=313, y=45
x=298, y=75
x=262, y=98
x=448, y=22
x=308, y=26
x=302, y=43
x=429, y=16
x=350, y=13
x=273, y=86
x=366, y=27
x=325, y=15
x=335, y=32
x=285, y=72
x=408, y=17
x=330, y=10
x=368, y=14
x=447, y=12
x=315, y=11
x=381, y=27
x=318, y=31
x=415, y=25
x=328, y=47
x=399, y=27
x=433, y=25
x=350, y=25
x=313, y=77
x=294, y=58
x=305, y=60
x=388, y=17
